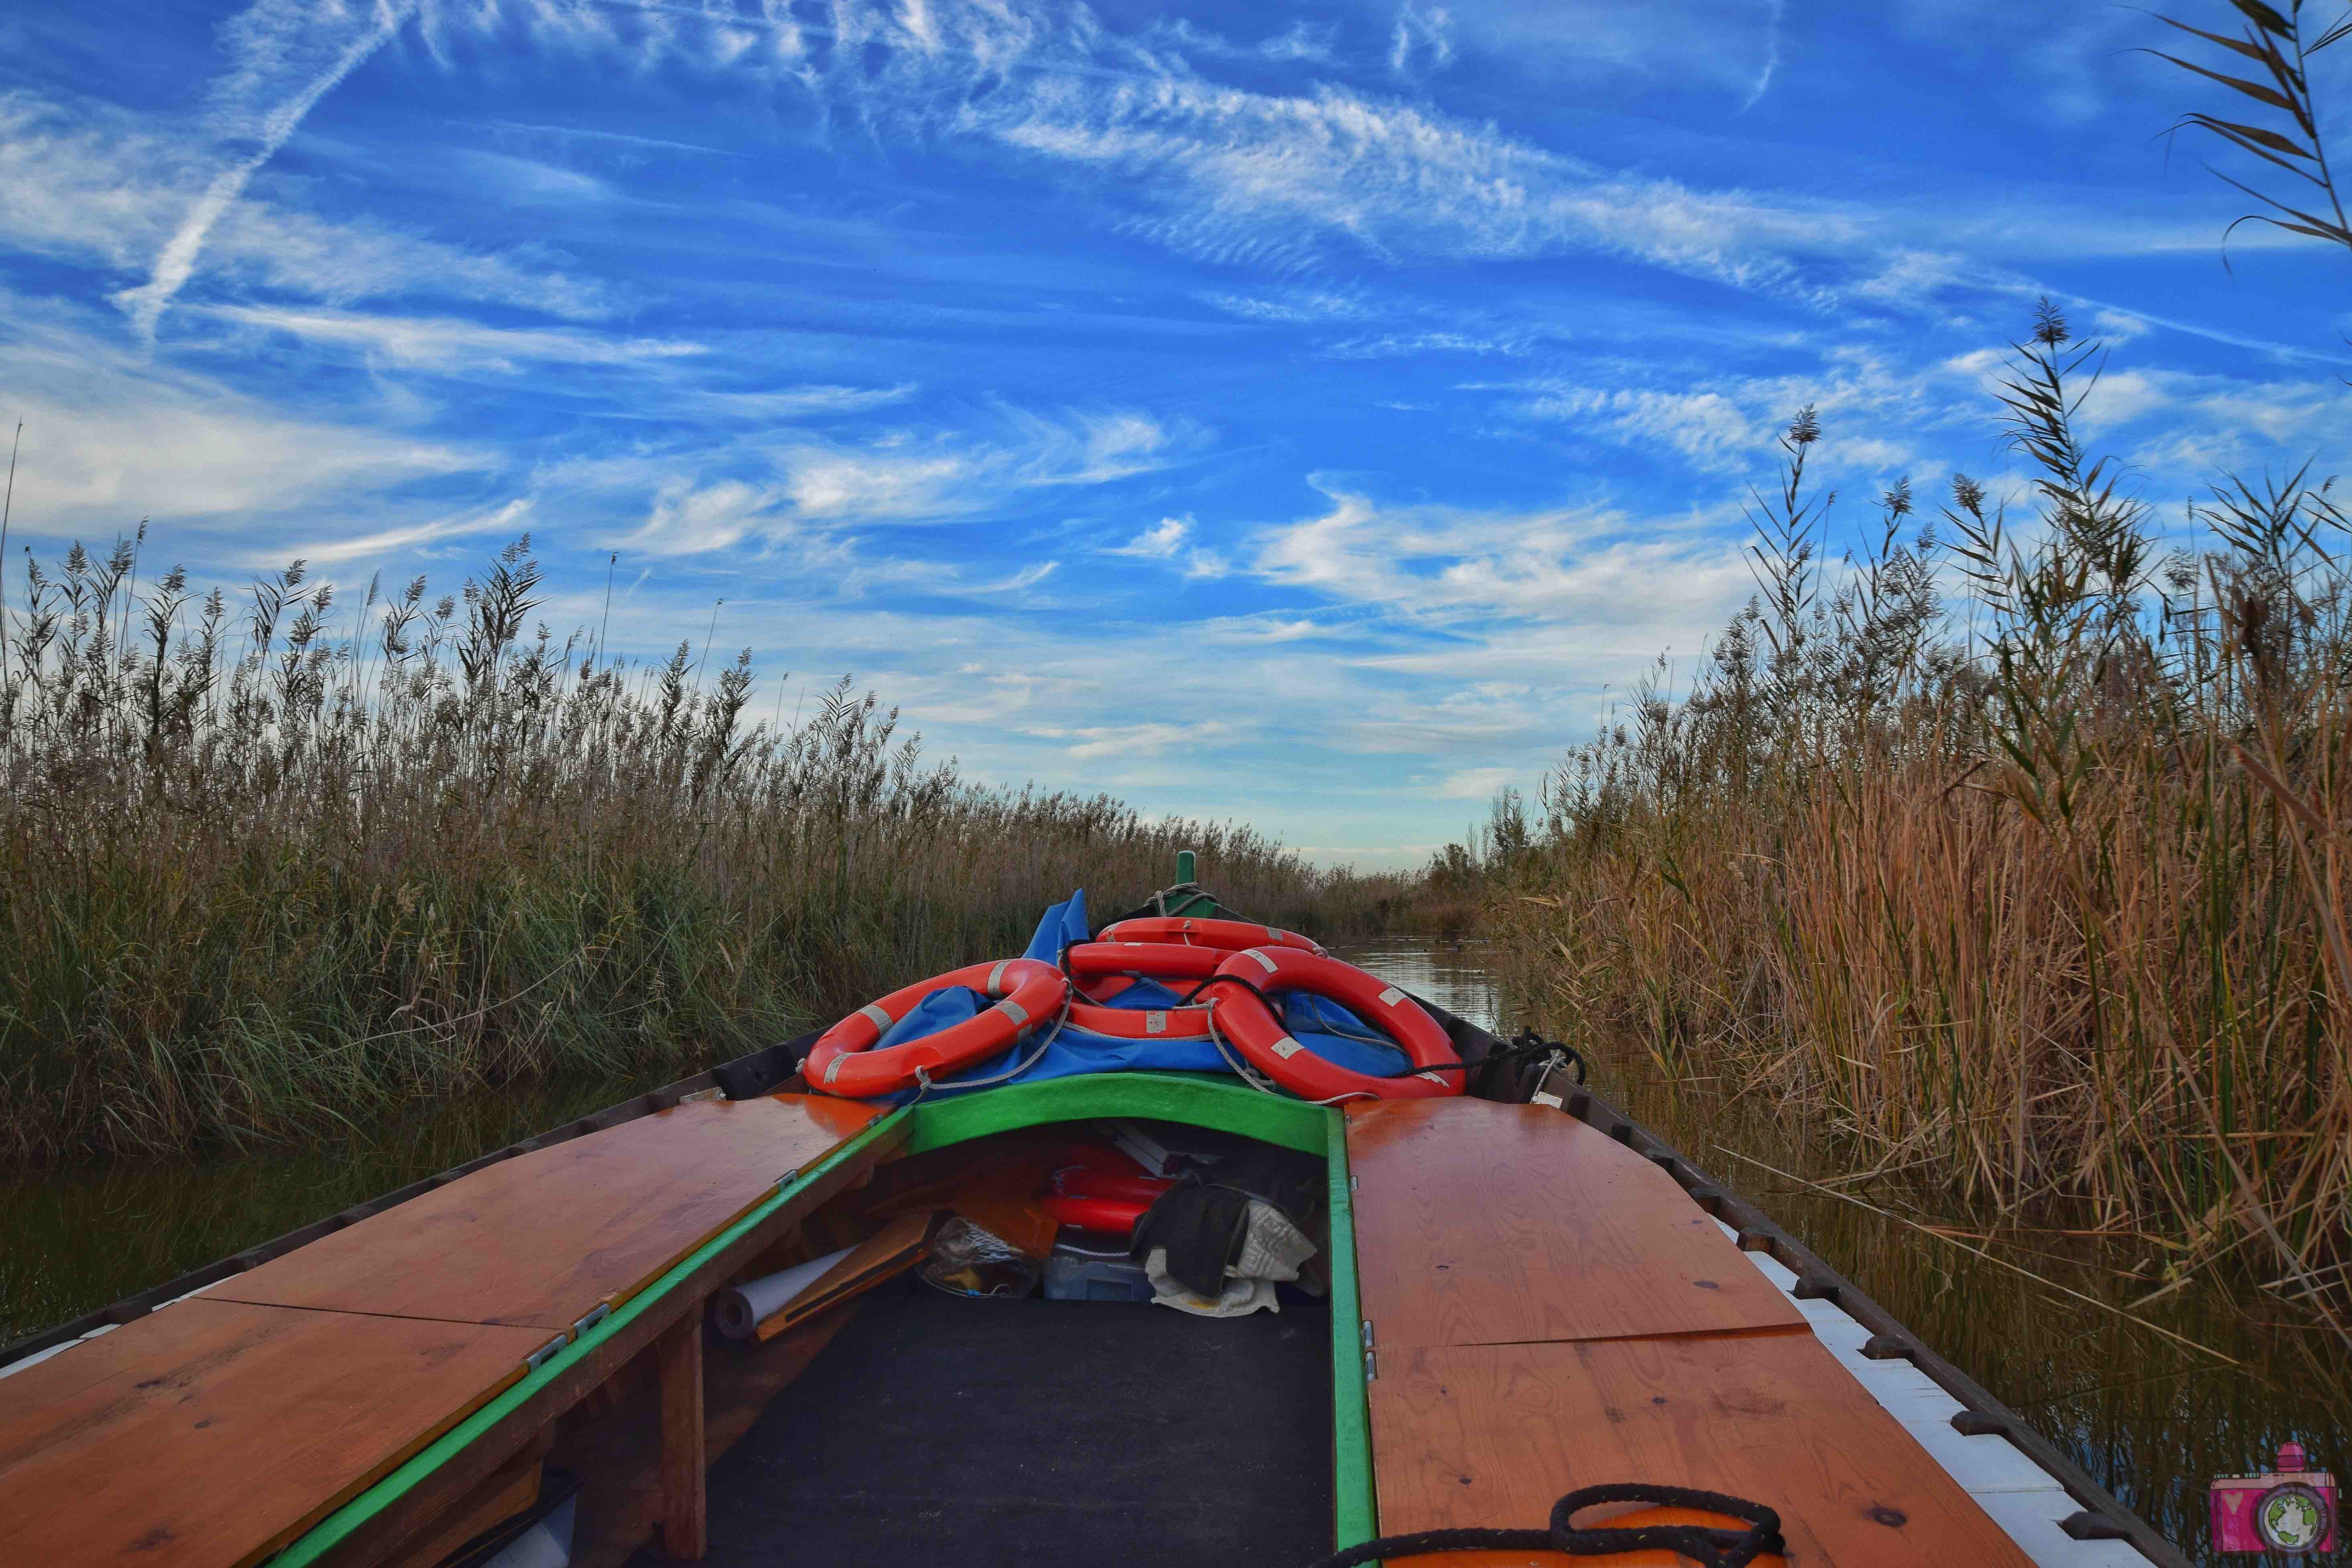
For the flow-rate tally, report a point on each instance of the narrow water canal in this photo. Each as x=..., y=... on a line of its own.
x=2153, y=1418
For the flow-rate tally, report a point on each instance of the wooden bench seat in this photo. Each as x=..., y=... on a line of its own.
x=1491, y=1434
x=215, y=1430
x=545, y=1237
x=210, y=1433
x=1479, y=1224
x=1550, y=1311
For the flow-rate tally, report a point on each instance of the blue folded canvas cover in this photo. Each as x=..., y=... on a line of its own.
x=1321, y=1026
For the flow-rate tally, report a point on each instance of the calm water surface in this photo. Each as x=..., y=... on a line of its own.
x=2154, y=1420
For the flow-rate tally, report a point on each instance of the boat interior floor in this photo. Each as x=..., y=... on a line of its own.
x=1037, y=1433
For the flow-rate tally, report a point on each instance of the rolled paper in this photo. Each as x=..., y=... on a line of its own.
x=740, y=1310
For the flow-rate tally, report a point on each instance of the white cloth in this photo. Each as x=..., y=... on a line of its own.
x=1272, y=1250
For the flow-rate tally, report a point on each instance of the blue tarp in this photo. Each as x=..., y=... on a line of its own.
x=1070, y=1051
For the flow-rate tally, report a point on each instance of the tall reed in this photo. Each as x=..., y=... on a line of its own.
x=2014, y=852
x=263, y=870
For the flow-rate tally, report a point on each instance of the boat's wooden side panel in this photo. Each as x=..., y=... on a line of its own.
x=542, y=1238
x=1491, y=1434
x=210, y=1433
x=1485, y=1224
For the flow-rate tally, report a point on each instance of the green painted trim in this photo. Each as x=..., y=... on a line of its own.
x=1355, y=1508
x=1201, y=1100
x=340, y=1525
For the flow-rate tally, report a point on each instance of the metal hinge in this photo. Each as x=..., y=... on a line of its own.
x=1543, y=1096
x=1371, y=1368
x=701, y=1094
x=539, y=1357
x=595, y=1315
x=787, y=1178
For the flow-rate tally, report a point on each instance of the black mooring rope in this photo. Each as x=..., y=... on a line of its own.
x=1708, y=1547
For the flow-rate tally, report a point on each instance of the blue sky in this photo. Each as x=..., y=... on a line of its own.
x=1311, y=415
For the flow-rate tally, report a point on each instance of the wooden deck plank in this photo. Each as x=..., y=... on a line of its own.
x=1491, y=1435
x=1485, y=1224
x=542, y=1238
x=210, y=1433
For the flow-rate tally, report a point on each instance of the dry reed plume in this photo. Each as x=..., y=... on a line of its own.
x=261, y=872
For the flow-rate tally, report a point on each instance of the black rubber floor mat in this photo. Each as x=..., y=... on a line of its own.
x=1037, y=1435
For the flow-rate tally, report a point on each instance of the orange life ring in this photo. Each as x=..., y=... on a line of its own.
x=1243, y=1017
x=1159, y=959
x=1233, y=936
x=1140, y=1024
x=1029, y=994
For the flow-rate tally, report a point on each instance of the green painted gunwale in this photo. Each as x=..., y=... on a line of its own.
x=1193, y=1100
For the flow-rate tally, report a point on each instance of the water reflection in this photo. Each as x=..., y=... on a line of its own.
x=74, y=1240
x=1457, y=976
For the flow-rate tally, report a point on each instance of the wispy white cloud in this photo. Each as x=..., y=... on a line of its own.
x=113, y=437
x=1477, y=783
x=90, y=182
x=1421, y=39
x=794, y=486
x=288, y=55
x=1170, y=540
x=502, y=523
x=1775, y=12
x=1611, y=576
x=441, y=343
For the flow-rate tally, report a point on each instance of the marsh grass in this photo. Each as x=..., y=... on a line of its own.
x=264, y=870
x=2009, y=852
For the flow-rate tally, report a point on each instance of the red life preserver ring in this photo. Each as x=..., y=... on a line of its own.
x=1030, y=993
x=1243, y=1018
x=1233, y=936
x=1159, y=959
x=1140, y=1024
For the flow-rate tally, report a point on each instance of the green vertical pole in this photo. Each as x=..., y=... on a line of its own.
x=1186, y=872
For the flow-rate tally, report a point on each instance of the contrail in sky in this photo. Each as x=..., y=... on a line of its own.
x=264, y=36
x=1776, y=12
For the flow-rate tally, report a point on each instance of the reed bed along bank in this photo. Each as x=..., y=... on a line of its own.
x=264, y=870
x=2011, y=850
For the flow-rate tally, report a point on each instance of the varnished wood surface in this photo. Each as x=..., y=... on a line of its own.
x=686, y=1501
x=1491, y=1435
x=624, y=1512
x=443, y=1488
x=542, y=1238
x=212, y=1432
x=496, y=1498
x=1485, y=1223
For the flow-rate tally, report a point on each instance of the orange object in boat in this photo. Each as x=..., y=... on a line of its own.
x=1159, y=960
x=1116, y=1216
x=1029, y=992
x=1243, y=1017
x=1233, y=936
x=1079, y=1181
x=1141, y=1023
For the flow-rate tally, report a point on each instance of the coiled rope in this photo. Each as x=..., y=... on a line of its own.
x=1702, y=1544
